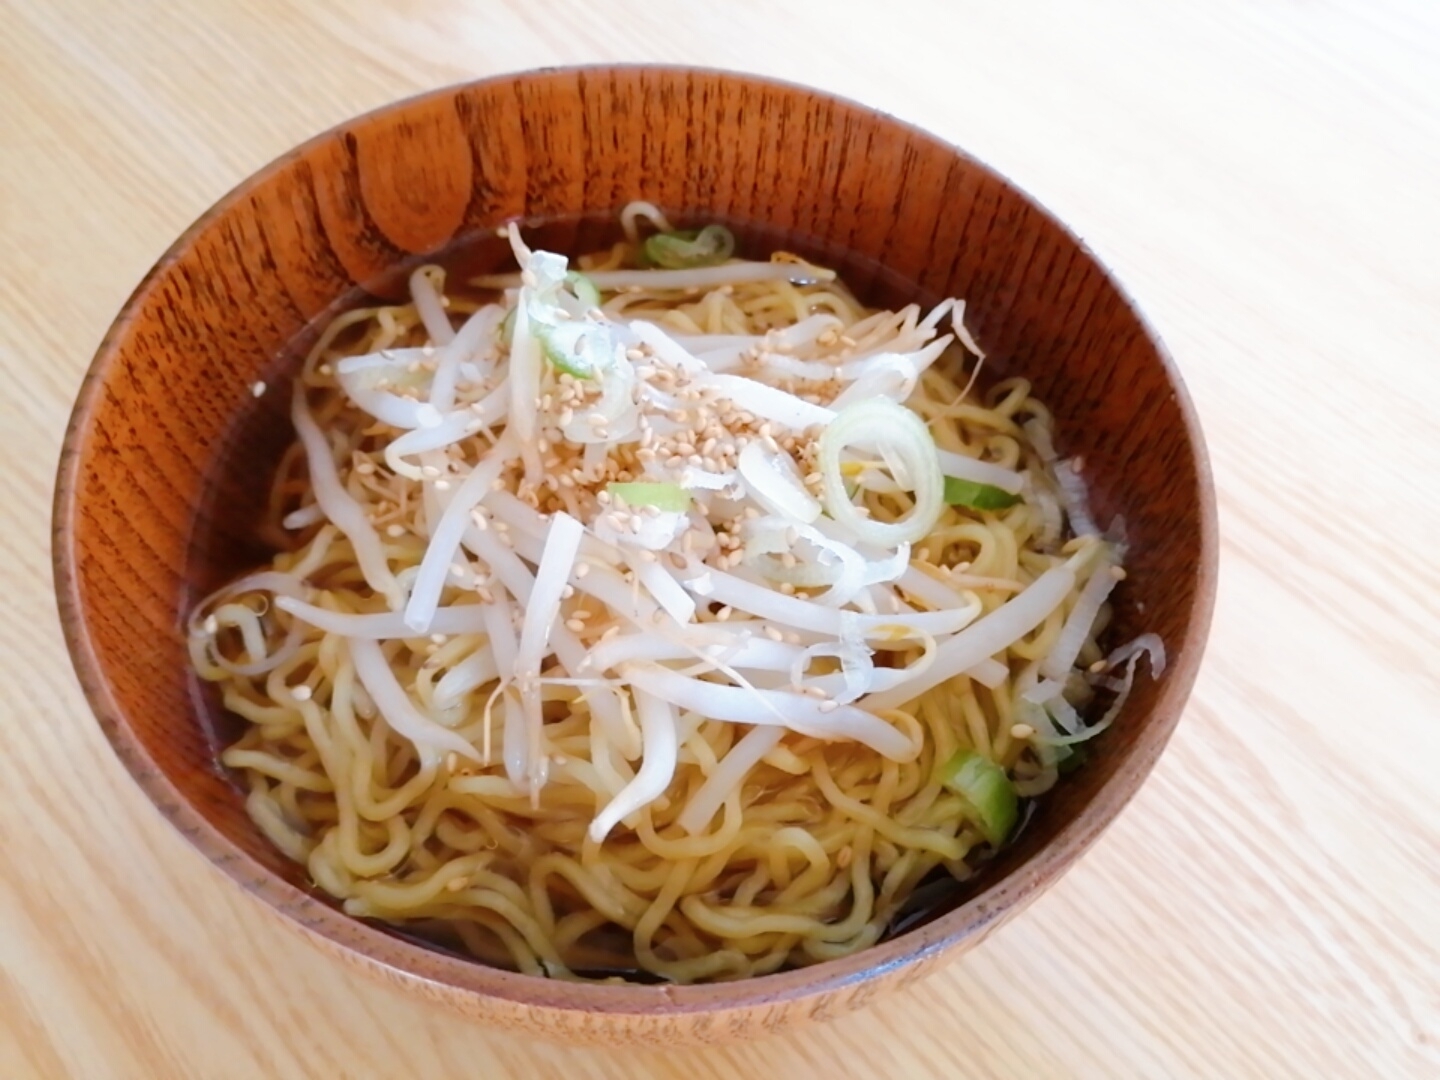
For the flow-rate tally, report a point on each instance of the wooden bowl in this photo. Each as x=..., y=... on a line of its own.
x=169, y=451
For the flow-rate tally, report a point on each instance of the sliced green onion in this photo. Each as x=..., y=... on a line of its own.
x=662, y=496
x=987, y=792
x=577, y=347
x=1070, y=758
x=900, y=437
x=560, y=345
x=583, y=288
x=977, y=496
x=686, y=249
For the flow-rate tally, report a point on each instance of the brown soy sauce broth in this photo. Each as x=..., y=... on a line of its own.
x=226, y=540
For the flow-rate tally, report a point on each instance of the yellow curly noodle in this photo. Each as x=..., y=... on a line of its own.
x=810, y=859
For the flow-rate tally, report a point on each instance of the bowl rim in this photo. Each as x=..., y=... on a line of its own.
x=454, y=975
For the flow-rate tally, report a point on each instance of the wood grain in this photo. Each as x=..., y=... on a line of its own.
x=1262, y=178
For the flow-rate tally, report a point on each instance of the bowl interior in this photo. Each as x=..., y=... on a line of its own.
x=170, y=452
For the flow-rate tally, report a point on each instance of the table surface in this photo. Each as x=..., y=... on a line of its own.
x=1263, y=176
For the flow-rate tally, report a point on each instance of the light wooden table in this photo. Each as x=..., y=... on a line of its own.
x=1265, y=177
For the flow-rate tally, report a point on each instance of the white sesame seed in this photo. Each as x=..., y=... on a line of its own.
x=301, y=692
x=258, y=389
x=211, y=625
x=395, y=530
